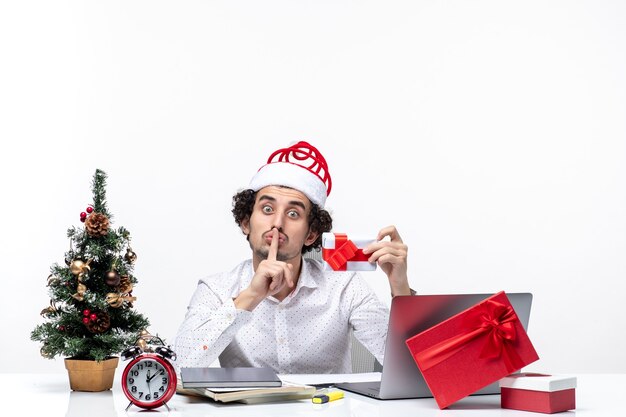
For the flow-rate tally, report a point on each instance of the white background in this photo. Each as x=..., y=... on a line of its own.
x=491, y=133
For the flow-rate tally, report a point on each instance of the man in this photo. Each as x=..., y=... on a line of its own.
x=279, y=310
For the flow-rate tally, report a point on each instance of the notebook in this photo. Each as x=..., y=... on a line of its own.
x=287, y=392
x=238, y=377
x=412, y=314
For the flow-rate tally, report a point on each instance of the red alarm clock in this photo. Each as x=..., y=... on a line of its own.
x=149, y=379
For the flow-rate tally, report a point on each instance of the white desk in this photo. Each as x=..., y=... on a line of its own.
x=49, y=395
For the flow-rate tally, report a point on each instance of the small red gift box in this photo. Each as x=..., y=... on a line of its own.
x=472, y=349
x=538, y=392
x=341, y=253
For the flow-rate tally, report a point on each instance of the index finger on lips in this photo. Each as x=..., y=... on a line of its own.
x=271, y=255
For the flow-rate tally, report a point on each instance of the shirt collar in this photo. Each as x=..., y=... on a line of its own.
x=306, y=278
x=307, y=270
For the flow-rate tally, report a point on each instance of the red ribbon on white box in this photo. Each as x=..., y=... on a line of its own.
x=343, y=254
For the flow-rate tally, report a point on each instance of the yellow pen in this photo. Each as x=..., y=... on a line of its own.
x=324, y=398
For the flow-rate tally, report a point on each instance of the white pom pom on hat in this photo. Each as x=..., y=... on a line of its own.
x=301, y=167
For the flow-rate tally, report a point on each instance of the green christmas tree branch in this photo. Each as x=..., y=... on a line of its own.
x=98, y=188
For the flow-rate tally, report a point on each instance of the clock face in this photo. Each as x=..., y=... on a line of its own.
x=149, y=381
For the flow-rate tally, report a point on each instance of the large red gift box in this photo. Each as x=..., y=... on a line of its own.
x=538, y=392
x=472, y=349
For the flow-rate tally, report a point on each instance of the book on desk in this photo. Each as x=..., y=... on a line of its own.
x=286, y=392
x=247, y=385
x=233, y=377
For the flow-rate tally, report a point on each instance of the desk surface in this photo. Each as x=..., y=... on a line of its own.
x=49, y=395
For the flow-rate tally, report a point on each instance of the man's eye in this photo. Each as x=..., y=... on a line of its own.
x=266, y=209
x=293, y=214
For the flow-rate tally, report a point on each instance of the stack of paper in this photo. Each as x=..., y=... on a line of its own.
x=247, y=385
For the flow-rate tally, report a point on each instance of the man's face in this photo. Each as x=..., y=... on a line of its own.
x=287, y=210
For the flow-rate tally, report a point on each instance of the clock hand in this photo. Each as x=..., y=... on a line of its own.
x=157, y=373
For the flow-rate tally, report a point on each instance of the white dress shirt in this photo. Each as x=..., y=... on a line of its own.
x=307, y=332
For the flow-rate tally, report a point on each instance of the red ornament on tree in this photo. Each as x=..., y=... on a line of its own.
x=85, y=320
x=93, y=316
x=86, y=312
x=89, y=209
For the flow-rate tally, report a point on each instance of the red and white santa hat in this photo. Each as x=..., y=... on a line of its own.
x=301, y=167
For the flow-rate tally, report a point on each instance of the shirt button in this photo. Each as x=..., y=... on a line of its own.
x=229, y=316
x=280, y=340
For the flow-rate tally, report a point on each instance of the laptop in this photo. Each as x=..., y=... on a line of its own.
x=410, y=315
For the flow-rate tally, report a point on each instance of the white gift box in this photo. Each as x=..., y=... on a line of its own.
x=538, y=382
x=343, y=253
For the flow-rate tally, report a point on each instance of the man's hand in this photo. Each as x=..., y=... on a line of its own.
x=270, y=277
x=391, y=257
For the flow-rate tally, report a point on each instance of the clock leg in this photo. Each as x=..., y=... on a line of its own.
x=128, y=406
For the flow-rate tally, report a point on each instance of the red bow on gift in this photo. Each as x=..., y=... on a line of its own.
x=345, y=250
x=495, y=323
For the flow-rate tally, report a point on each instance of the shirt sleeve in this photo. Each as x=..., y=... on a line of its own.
x=211, y=323
x=369, y=317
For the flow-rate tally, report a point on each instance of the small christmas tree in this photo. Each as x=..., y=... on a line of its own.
x=91, y=313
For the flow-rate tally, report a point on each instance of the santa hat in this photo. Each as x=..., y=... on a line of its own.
x=301, y=167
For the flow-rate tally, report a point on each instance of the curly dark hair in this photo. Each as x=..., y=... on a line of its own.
x=319, y=219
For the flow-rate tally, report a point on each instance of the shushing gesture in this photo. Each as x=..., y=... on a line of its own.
x=270, y=278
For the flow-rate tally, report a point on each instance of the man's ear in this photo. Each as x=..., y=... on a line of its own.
x=245, y=226
x=311, y=238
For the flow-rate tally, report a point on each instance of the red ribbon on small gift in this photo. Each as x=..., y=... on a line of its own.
x=345, y=250
x=493, y=321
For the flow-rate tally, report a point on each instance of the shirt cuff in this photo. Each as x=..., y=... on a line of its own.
x=233, y=312
x=413, y=292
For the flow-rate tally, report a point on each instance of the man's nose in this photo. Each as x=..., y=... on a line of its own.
x=278, y=221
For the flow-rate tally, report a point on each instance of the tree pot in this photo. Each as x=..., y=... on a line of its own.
x=90, y=375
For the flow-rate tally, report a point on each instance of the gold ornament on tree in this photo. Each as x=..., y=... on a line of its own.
x=142, y=344
x=97, y=224
x=116, y=300
x=144, y=338
x=81, y=289
x=130, y=256
x=78, y=267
